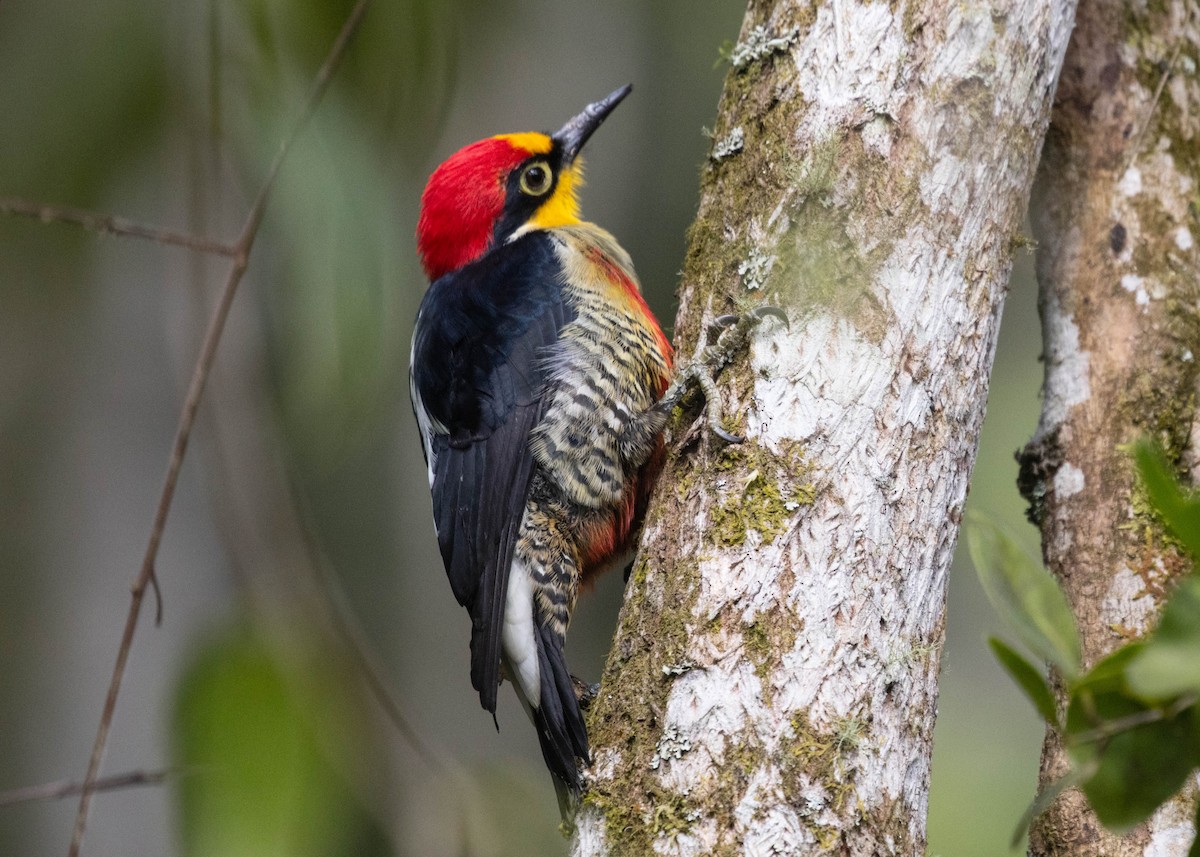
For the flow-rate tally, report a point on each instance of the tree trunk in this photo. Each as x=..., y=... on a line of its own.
x=772, y=686
x=1114, y=214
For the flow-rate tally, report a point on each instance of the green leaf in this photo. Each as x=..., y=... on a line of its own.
x=1139, y=755
x=1028, y=677
x=1103, y=693
x=1180, y=511
x=1109, y=672
x=1140, y=768
x=1099, y=697
x=1169, y=663
x=1025, y=595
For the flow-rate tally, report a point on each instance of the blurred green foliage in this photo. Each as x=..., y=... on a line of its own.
x=399, y=75
x=1132, y=724
x=1028, y=598
x=99, y=111
x=268, y=743
x=333, y=313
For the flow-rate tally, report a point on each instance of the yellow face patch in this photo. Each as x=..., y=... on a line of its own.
x=533, y=143
x=562, y=208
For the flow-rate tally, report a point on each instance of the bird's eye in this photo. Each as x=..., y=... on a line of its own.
x=535, y=179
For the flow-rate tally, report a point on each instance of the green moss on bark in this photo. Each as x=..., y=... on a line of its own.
x=751, y=496
x=816, y=758
x=655, y=627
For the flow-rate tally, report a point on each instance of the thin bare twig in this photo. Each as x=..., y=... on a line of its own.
x=67, y=788
x=187, y=417
x=111, y=225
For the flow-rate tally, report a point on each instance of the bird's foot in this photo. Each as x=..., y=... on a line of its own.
x=751, y=318
x=585, y=693
x=733, y=335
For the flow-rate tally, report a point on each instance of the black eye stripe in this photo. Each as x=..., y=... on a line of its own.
x=520, y=202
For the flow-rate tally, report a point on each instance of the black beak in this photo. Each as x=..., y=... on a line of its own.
x=575, y=133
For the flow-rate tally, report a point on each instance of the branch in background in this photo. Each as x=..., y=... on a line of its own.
x=1111, y=205
x=66, y=788
x=109, y=224
x=187, y=417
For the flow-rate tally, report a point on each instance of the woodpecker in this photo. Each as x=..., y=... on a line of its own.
x=537, y=378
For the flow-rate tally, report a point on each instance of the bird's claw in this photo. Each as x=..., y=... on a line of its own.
x=735, y=329
x=755, y=315
x=585, y=693
x=762, y=313
x=734, y=335
x=726, y=436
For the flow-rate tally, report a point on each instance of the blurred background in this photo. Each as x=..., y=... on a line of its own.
x=305, y=474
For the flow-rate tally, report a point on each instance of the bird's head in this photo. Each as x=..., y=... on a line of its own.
x=489, y=191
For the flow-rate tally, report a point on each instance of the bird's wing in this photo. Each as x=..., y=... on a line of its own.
x=478, y=378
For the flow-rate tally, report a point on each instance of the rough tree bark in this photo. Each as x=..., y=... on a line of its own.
x=772, y=686
x=1114, y=214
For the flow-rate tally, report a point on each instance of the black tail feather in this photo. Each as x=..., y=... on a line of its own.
x=561, y=730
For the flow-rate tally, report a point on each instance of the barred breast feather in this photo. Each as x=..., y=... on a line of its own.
x=610, y=364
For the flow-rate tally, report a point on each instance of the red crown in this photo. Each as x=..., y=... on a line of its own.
x=462, y=202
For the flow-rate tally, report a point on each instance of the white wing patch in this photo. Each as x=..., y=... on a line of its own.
x=520, y=647
x=425, y=423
